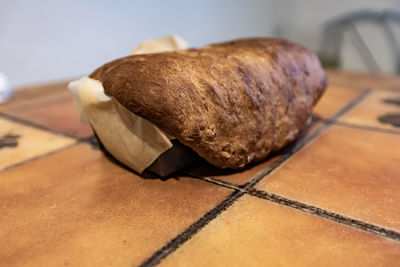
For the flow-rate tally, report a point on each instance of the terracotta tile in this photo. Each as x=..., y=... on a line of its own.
x=333, y=100
x=28, y=143
x=77, y=208
x=59, y=115
x=256, y=232
x=348, y=171
x=363, y=80
x=34, y=96
x=376, y=110
x=240, y=177
x=236, y=177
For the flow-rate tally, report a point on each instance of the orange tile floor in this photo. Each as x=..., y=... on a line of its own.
x=332, y=198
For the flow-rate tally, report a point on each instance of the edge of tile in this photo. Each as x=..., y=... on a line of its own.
x=179, y=240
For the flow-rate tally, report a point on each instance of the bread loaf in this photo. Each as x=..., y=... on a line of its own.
x=232, y=103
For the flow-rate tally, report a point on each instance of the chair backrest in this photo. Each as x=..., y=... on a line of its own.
x=330, y=50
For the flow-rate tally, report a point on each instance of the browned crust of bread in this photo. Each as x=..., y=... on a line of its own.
x=232, y=103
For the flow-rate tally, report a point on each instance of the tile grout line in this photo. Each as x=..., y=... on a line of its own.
x=367, y=127
x=309, y=138
x=34, y=125
x=86, y=140
x=299, y=205
x=39, y=156
x=216, y=181
x=320, y=212
x=173, y=244
x=184, y=236
x=56, y=100
x=333, y=216
x=239, y=191
x=358, y=126
x=302, y=206
x=45, y=128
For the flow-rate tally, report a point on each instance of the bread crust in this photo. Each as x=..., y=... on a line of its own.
x=232, y=103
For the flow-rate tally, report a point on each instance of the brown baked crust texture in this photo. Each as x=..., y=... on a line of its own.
x=233, y=103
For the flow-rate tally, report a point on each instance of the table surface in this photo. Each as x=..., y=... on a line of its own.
x=332, y=198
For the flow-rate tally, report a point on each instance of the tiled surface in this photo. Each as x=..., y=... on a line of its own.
x=333, y=100
x=36, y=96
x=256, y=232
x=349, y=171
x=379, y=109
x=361, y=80
x=19, y=142
x=76, y=208
x=63, y=202
x=240, y=177
x=59, y=115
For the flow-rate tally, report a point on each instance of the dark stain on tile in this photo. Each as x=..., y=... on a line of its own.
x=9, y=140
x=390, y=118
x=392, y=101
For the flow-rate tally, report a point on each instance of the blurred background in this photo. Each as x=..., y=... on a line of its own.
x=44, y=41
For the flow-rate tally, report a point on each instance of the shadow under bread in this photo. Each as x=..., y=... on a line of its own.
x=182, y=161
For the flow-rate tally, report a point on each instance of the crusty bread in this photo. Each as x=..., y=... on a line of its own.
x=232, y=103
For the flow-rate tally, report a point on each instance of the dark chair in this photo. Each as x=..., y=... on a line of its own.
x=333, y=37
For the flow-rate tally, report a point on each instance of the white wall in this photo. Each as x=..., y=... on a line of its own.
x=305, y=19
x=42, y=40
x=48, y=40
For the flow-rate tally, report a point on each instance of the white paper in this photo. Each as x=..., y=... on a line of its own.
x=129, y=138
x=164, y=44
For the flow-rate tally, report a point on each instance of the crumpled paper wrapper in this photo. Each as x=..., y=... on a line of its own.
x=131, y=139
